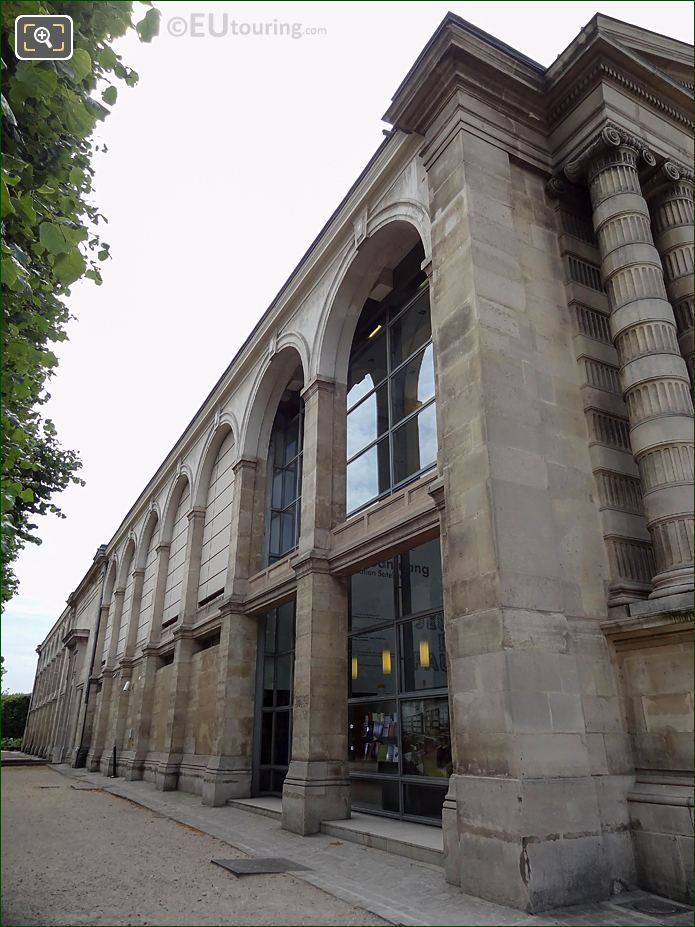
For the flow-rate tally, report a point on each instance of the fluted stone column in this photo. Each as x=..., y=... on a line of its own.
x=317, y=786
x=670, y=197
x=653, y=375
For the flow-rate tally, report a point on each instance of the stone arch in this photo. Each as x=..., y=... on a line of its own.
x=148, y=529
x=271, y=382
x=218, y=433
x=182, y=479
x=393, y=232
x=110, y=582
x=126, y=561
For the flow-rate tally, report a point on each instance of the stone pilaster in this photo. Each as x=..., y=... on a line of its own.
x=523, y=822
x=228, y=774
x=670, y=196
x=167, y=774
x=143, y=695
x=103, y=714
x=317, y=786
x=653, y=375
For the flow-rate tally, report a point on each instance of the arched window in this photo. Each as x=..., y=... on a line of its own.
x=284, y=482
x=391, y=419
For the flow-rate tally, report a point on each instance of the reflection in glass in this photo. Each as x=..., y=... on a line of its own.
x=367, y=368
x=421, y=579
x=367, y=421
x=390, y=380
x=412, y=330
x=371, y=593
x=373, y=737
x=415, y=444
x=426, y=741
x=375, y=655
x=423, y=654
x=368, y=475
x=412, y=386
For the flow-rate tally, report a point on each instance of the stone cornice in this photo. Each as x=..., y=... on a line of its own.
x=605, y=70
x=635, y=626
x=72, y=637
x=461, y=60
x=610, y=136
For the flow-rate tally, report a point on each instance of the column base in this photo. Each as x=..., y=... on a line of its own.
x=93, y=761
x=134, y=769
x=532, y=844
x=314, y=792
x=225, y=779
x=672, y=582
x=166, y=777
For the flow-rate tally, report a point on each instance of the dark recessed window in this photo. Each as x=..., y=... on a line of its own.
x=285, y=478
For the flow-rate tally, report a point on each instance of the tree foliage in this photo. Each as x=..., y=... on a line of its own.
x=13, y=713
x=51, y=237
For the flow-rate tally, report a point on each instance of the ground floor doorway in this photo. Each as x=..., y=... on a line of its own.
x=274, y=697
x=399, y=741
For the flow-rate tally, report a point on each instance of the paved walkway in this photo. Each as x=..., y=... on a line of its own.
x=397, y=889
x=17, y=758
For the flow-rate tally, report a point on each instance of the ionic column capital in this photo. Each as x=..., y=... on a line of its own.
x=610, y=138
x=669, y=177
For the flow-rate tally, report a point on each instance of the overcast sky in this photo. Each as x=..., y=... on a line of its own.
x=223, y=164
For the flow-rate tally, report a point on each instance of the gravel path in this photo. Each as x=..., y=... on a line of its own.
x=72, y=854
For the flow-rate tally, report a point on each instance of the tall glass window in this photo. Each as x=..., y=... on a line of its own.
x=391, y=419
x=399, y=744
x=285, y=479
x=274, y=697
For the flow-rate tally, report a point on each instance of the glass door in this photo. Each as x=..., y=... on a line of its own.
x=274, y=696
x=399, y=742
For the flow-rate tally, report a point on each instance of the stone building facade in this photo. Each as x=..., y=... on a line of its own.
x=426, y=548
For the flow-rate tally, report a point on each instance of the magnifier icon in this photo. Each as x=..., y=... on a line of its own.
x=43, y=36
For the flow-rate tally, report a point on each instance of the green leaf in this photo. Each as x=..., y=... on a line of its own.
x=69, y=267
x=148, y=27
x=53, y=238
x=107, y=58
x=26, y=207
x=27, y=495
x=110, y=95
x=6, y=207
x=36, y=80
x=81, y=64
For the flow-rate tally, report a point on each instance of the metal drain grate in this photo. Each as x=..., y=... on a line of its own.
x=258, y=866
x=655, y=907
